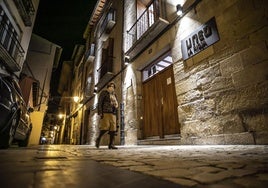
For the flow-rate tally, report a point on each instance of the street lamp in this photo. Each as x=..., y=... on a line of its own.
x=61, y=116
x=76, y=99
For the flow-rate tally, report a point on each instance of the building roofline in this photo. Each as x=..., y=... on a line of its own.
x=96, y=14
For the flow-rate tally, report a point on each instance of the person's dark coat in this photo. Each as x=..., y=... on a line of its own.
x=104, y=104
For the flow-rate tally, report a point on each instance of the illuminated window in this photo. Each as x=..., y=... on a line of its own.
x=157, y=66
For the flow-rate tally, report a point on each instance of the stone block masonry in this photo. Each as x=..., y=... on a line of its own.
x=222, y=91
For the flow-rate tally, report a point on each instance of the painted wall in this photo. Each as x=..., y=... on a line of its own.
x=40, y=60
x=18, y=24
x=37, y=122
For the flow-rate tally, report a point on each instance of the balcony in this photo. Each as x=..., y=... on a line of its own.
x=106, y=69
x=11, y=52
x=108, y=24
x=147, y=27
x=90, y=54
x=106, y=74
x=26, y=11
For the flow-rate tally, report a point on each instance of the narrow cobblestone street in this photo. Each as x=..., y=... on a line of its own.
x=148, y=166
x=200, y=166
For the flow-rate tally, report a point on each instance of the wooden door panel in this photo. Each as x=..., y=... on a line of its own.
x=160, y=105
x=152, y=113
x=169, y=113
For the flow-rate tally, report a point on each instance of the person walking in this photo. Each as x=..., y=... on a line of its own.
x=107, y=110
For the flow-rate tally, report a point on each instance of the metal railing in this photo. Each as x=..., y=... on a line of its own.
x=109, y=17
x=90, y=51
x=9, y=40
x=143, y=23
x=26, y=10
x=105, y=68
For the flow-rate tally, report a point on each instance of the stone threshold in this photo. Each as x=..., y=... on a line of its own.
x=245, y=138
x=167, y=140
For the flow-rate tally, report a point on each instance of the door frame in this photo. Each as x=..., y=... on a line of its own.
x=160, y=129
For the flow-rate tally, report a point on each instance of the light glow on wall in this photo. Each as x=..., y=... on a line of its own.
x=176, y=2
x=128, y=77
x=97, y=61
x=187, y=25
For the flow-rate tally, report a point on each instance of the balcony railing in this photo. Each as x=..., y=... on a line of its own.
x=143, y=23
x=106, y=73
x=90, y=53
x=10, y=49
x=105, y=68
x=26, y=10
x=149, y=24
x=108, y=24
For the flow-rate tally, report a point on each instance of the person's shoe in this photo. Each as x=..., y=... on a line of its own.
x=97, y=144
x=112, y=147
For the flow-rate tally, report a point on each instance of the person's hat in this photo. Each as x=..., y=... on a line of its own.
x=110, y=84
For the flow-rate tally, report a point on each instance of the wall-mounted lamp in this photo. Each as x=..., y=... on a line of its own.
x=61, y=116
x=95, y=90
x=127, y=60
x=179, y=9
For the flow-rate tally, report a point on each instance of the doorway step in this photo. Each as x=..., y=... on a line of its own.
x=156, y=140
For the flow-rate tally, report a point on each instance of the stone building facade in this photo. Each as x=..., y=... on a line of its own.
x=195, y=78
x=102, y=62
x=222, y=90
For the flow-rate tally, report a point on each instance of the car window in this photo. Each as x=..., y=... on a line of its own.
x=5, y=91
x=17, y=87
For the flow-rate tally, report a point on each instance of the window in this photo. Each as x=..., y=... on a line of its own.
x=108, y=24
x=107, y=58
x=26, y=10
x=145, y=17
x=159, y=65
x=8, y=35
x=35, y=93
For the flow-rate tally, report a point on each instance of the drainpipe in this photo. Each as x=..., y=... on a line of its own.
x=42, y=92
x=122, y=124
x=122, y=110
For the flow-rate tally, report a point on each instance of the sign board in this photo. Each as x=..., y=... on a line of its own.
x=200, y=39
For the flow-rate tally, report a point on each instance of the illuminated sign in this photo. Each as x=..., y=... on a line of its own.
x=200, y=39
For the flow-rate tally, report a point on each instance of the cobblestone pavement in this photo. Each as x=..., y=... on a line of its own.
x=190, y=166
x=49, y=166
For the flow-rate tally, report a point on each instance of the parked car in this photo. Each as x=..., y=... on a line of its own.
x=15, y=122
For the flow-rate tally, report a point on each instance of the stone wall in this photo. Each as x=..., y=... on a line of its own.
x=93, y=117
x=129, y=84
x=132, y=104
x=222, y=91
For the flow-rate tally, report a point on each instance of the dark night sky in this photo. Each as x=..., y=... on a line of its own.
x=63, y=22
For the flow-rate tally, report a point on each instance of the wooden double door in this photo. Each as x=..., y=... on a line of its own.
x=160, y=105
